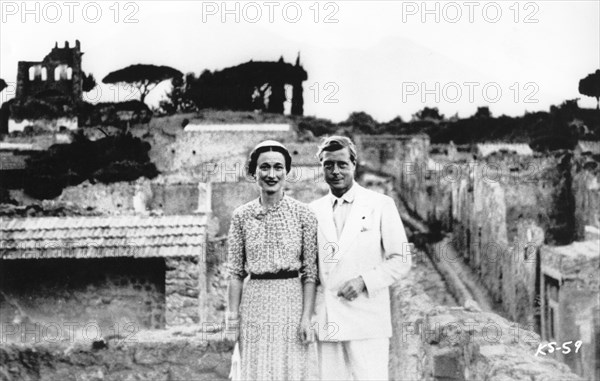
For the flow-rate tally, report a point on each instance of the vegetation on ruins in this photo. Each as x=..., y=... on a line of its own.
x=542, y=130
x=88, y=82
x=120, y=157
x=143, y=77
x=43, y=108
x=249, y=86
x=117, y=114
x=427, y=113
x=178, y=99
x=10, y=209
x=590, y=86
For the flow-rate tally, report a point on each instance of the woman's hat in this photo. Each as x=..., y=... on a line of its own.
x=266, y=146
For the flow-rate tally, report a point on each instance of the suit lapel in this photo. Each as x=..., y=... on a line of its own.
x=352, y=226
x=325, y=219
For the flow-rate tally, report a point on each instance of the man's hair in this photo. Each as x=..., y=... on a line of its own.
x=335, y=143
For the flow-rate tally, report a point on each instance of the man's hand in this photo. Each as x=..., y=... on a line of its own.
x=352, y=288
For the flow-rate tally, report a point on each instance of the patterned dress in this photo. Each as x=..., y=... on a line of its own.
x=282, y=238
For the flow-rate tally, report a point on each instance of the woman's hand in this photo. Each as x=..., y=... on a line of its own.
x=306, y=333
x=232, y=320
x=232, y=326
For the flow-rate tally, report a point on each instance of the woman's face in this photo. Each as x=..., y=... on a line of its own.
x=270, y=172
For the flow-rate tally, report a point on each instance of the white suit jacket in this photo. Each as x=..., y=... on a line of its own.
x=373, y=245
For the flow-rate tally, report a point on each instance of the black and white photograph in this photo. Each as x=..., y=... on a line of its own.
x=299, y=190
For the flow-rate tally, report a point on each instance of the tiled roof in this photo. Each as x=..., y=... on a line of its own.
x=486, y=149
x=589, y=146
x=99, y=237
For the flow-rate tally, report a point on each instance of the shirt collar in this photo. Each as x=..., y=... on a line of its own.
x=348, y=196
x=258, y=211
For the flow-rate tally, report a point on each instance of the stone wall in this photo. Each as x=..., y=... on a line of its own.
x=185, y=290
x=452, y=343
x=586, y=192
x=459, y=344
x=158, y=358
x=307, y=191
x=500, y=210
x=228, y=196
x=115, y=198
x=503, y=209
x=69, y=87
x=434, y=202
x=217, y=281
x=165, y=195
x=579, y=313
x=402, y=157
x=381, y=153
x=102, y=294
x=501, y=219
x=429, y=343
x=425, y=186
x=212, y=155
x=40, y=141
x=523, y=300
x=174, y=199
x=569, y=301
x=54, y=125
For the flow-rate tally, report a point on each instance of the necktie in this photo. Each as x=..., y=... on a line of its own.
x=337, y=216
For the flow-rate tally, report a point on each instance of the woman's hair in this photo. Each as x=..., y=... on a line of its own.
x=335, y=143
x=266, y=146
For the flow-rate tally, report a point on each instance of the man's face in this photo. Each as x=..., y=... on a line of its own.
x=338, y=170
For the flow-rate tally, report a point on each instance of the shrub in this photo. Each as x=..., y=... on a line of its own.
x=110, y=159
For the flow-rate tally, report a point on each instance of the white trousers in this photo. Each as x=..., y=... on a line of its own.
x=365, y=359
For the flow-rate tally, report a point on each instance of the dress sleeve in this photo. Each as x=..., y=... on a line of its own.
x=309, y=247
x=236, y=255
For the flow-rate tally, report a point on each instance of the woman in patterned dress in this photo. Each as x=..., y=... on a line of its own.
x=273, y=239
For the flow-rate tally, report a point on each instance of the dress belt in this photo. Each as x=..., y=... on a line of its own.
x=284, y=274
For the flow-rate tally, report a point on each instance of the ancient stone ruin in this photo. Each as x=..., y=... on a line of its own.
x=48, y=91
x=59, y=73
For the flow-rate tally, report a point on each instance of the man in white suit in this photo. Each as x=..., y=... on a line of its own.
x=363, y=249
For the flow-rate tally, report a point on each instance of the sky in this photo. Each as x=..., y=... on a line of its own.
x=386, y=58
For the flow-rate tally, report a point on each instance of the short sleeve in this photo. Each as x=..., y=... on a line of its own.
x=236, y=255
x=309, y=247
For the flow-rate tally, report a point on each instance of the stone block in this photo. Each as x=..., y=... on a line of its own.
x=447, y=364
